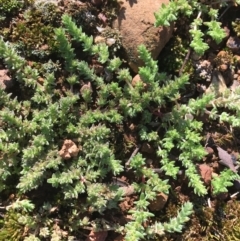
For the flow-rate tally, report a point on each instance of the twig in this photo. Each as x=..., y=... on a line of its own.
x=209, y=203
x=235, y=194
x=127, y=164
x=189, y=50
x=224, y=12
x=185, y=61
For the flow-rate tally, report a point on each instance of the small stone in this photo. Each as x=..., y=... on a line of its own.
x=110, y=41
x=209, y=150
x=206, y=173
x=40, y=80
x=5, y=81
x=132, y=127
x=189, y=117
x=159, y=202
x=137, y=79
x=135, y=21
x=69, y=149
x=128, y=190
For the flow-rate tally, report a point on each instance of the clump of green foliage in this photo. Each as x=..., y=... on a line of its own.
x=236, y=27
x=10, y=6
x=89, y=111
x=195, y=9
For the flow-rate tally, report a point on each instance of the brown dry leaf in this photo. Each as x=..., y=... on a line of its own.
x=97, y=236
x=69, y=149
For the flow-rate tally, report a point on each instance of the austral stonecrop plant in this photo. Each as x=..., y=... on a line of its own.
x=90, y=110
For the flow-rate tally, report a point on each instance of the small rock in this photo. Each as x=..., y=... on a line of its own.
x=159, y=202
x=209, y=150
x=135, y=22
x=110, y=41
x=128, y=190
x=136, y=79
x=40, y=80
x=5, y=81
x=69, y=149
x=206, y=173
x=132, y=127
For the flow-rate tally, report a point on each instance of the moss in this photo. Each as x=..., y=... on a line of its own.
x=236, y=27
x=231, y=224
x=13, y=230
x=34, y=35
x=173, y=62
x=10, y=6
x=84, y=16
